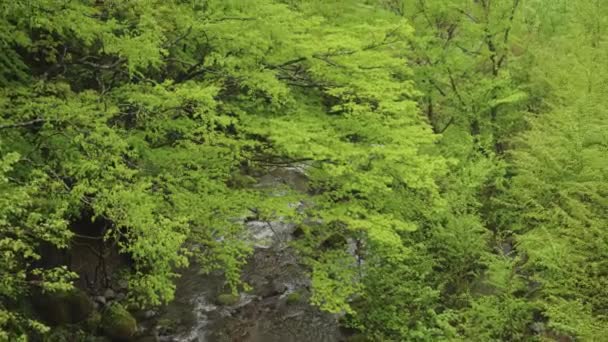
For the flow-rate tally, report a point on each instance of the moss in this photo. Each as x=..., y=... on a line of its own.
x=117, y=323
x=228, y=299
x=64, y=307
x=92, y=323
x=294, y=297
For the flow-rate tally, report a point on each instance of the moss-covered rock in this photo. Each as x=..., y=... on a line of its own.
x=228, y=299
x=117, y=323
x=65, y=307
x=92, y=323
x=294, y=298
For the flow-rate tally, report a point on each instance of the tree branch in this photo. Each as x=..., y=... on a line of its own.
x=450, y=122
x=22, y=124
x=508, y=30
x=455, y=89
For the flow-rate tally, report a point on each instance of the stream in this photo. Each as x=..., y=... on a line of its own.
x=275, y=310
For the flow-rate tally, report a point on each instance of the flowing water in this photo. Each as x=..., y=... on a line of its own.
x=276, y=310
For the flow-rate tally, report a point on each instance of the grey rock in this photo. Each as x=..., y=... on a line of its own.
x=279, y=287
x=149, y=314
x=109, y=294
x=100, y=299
x=537, y=327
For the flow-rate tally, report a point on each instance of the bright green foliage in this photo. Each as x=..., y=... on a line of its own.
x=25, y=221
x=109, y=127
x=462, y=54
x=455, y=150
x=559, y=192
x=143, y=115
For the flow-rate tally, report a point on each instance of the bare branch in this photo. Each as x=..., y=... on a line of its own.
x=455, y=88
x=287, y=63
x=471, y=17
x=179, y=38
x=22, y=124
x=232, y=18
x=450, y=122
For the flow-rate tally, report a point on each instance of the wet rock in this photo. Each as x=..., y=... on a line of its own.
x=292, y=315
x=100, y=299
x=266, y=286
x=240, y=181
x=117, y=323
x=109, y=294
x=294, y=177
x=149, y=314
x=120, y=296
x=123, y=284
x=266, y=234
x=279, y=287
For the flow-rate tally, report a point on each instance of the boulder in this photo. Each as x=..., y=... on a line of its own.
x=117, y=323
x=123, y=284
x=109, y=294
x=64, y=307
x=100, y=299
x=149, y=314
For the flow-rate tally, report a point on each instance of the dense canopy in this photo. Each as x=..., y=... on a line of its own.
x=456, y=155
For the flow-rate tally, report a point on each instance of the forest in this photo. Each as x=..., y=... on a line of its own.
x=446, y=162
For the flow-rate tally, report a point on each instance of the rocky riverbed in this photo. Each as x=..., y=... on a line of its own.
x=276, y=309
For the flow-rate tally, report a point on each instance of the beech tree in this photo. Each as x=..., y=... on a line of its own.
x=455, y=153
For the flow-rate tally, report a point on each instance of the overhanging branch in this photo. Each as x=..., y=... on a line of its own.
x=22, y=124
